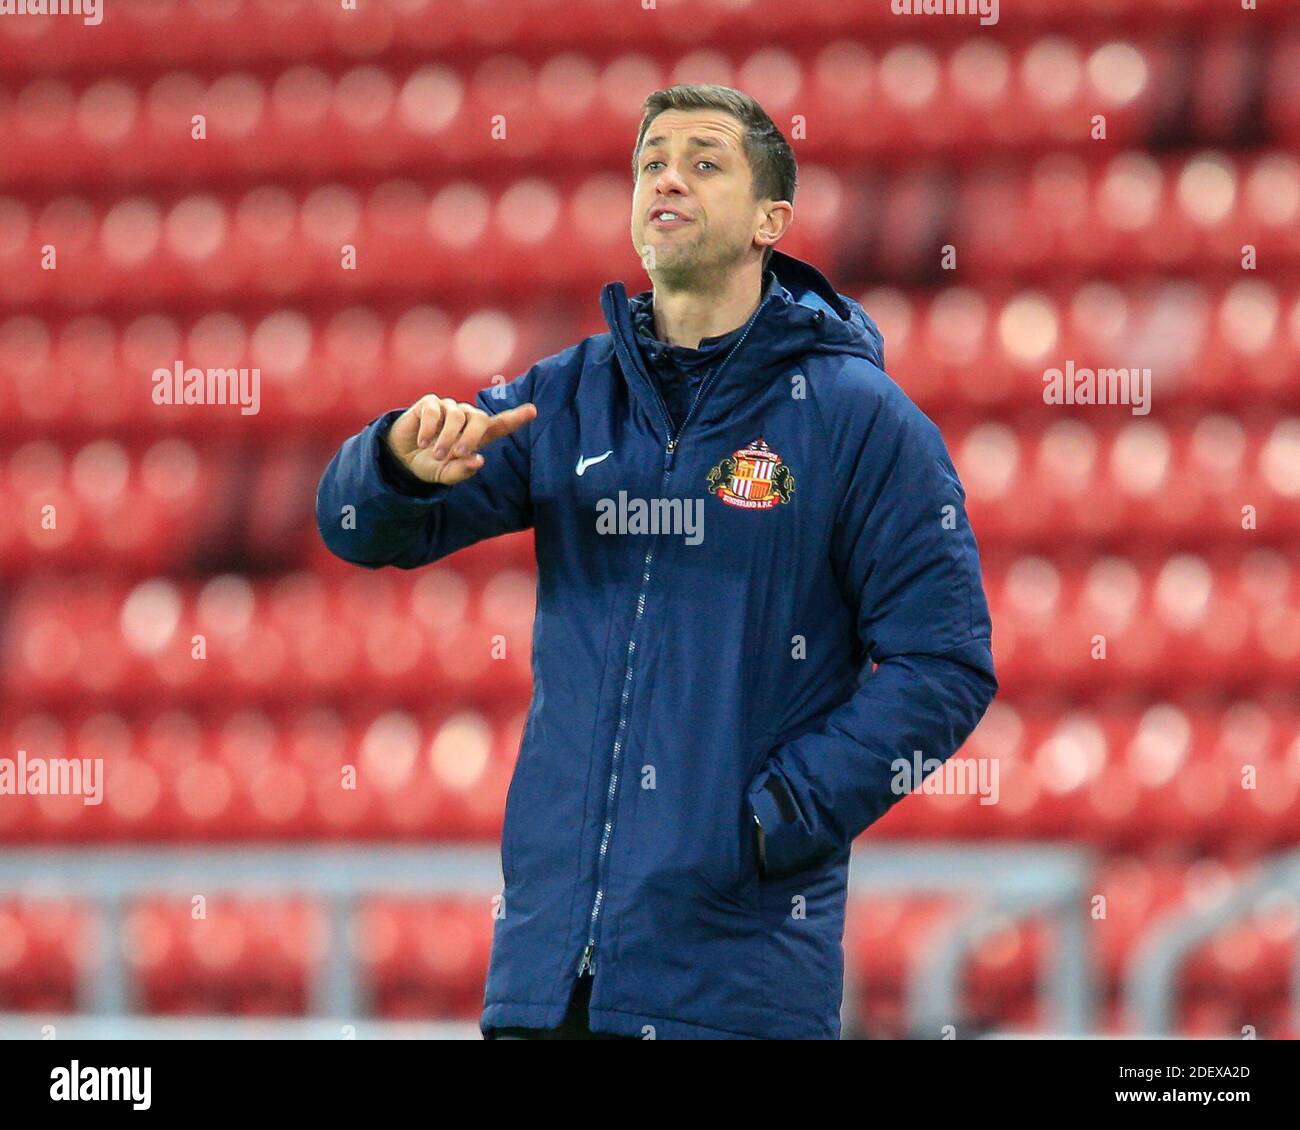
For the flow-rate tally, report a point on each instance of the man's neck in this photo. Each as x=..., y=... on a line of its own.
x=686, y=317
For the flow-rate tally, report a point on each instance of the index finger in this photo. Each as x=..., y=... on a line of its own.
x=509, y=421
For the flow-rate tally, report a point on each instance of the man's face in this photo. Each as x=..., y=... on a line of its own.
x=692, y=163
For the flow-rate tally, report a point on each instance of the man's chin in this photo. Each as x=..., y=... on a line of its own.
x=665, y=258
x=674, y=272
x=659, y=246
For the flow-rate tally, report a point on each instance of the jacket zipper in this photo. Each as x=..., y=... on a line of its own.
x=588, y=964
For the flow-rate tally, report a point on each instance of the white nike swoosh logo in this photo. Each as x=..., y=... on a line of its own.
x=583, y=464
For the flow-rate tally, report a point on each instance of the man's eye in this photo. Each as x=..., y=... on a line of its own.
x=698, y=164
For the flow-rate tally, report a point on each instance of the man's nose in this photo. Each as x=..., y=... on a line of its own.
x=670, y=179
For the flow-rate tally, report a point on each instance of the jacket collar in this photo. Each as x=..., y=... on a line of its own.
x=801, y=315
x=657, y=351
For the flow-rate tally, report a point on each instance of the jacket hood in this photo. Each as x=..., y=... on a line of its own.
x=802, y=314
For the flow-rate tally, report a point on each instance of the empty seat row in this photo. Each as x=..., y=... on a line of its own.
x=1230, y=618
x=1098, y=351
x=1203, y=482
x=1217, y=620
x=307, y=775
x=1131, y=213
x=1169, y=774
x=172, y=506
x=1210, y=211
x=162, y=506
x=166, y=32
x=226, y=635
x=1178, y=771
x=272, y=243
x=165, y=506
x=505, y=110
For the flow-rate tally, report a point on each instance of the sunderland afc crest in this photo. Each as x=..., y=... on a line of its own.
x=753, y=478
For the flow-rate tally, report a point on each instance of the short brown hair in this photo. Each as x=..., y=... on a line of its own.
x=771, y=159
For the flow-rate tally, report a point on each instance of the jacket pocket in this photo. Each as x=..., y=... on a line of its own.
x=730, y=873
x=511, y=818
x=507, y=870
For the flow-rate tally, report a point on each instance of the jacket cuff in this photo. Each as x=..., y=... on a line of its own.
x=391, y=469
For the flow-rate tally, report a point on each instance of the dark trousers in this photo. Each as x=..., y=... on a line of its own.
x=574, y=1026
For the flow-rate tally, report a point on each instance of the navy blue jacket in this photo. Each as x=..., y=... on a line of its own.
x=830, y=620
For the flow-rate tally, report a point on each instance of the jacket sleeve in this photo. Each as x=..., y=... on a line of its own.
x=371, y=511
x=908, y=564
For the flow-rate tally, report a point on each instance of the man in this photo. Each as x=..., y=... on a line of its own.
x=735, y=509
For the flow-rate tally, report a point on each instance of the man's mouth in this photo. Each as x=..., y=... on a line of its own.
x=667, y=219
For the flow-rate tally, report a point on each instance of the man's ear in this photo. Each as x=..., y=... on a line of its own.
x=778, y=215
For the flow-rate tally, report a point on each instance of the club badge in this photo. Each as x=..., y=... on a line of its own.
x=753, y=478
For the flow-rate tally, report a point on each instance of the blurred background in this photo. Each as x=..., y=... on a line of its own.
x=420, y=196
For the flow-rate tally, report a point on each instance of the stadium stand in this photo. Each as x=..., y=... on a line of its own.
x=183, y=622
